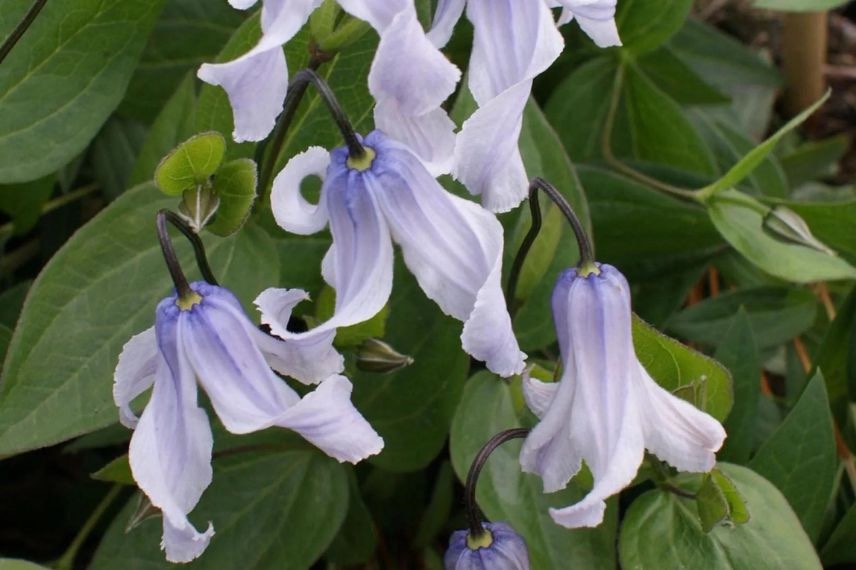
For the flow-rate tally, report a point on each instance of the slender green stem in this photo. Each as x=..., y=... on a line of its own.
x=66, y=561
x=475, y=516
x=612, y=160
x=21, y=28
x=586, y=261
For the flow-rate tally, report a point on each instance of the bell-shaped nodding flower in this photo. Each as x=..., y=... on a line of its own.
x=205, y=337
x=452, y=246
x=498, y=548
x=606, y=409
x=514, y=41
x=409, y=78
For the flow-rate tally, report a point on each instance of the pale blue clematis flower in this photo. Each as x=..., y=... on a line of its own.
x=500, y=548
x=452, y=246
x=514, y=41
x=208, y=339
x=409, y=78
x=606, y=410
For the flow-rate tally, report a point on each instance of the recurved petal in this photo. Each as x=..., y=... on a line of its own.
x=220, y=345
x=487, y=157
x=603, y=33
x=454, y=248
x=431, y=136
x=183, y=544
x=676, y=431
x=326, y=418
x=255, y=84
x=378, y=13
x=538, y=395
x=135, y=373
x=307, y=357
x=595, y=17
x=408, y=71
x=447, y=15
x=291, y=210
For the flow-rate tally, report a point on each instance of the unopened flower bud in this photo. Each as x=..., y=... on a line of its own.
x=198, y=205
x=786, y=225
x=498, y=547
x=377, y=356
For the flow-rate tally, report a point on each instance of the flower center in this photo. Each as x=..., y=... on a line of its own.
x=187, y=302
x=482, y=540
x=364, y=162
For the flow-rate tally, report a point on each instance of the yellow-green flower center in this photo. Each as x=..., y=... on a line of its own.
x=364, y=162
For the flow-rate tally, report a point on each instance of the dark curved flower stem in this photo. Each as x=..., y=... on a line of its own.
x=475, y=516
x=178, y=278
x=294, y=96
x=21, y=28
x=583, y=241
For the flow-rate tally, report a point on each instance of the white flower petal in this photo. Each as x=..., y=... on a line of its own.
x=454, y=248
x=183, y=544
x=431, y=136
x=327, y=418
x=378, y=13
x=135, y=373
x=447, y=15
x=595, y=17
x=290, y=209
x=538, y=395
x=603, y=33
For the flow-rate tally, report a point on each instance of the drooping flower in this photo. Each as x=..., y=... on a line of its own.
x=606, y=409
x=409, y=79
x=452, y=246
x=498, y=548
x=514, y=42
x=205, y=337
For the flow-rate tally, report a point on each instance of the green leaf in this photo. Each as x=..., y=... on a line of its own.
x=739, y=219
x=814, y=159
x=11, y=301
x=174, y=124
x=719, y=502
x=800, y=457
x=799, y=5
x=662, y=530
x=689, y=374
x=738, y=352
x=644, y=25
x=190, y=163
x=117, y=471
x=187, y=34
x=114, y=153
x=355, y=543
x=754, y=157
x=439, y=508
x=235, y=185
x=777, y=315
x=23, y=202
x=56, y=382
x=840, y=548
x=64, y=78
x=274, y=510
x=677, y=79
x=412, y=408
x=14, y=564
x=834, y=359
x=506, y=494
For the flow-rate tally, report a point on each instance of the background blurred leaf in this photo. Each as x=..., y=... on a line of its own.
x=799, y=5
x=738, y=352
x=772, y=539
x=506, y=494
x=23, y=202
x=10, y=564
x=814, y=159
x=645, y=25
x=235, y=185
x=114, y=152
x=841, y=548
x=64, y=78
x=835, y=358
x=270, y=510
x=355, y=542
x=800, y=457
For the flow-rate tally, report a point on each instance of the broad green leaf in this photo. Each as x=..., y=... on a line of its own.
x=754, y=157
x=64, y=78
x=235, y=185
x=555, y=249
x=355, y=543
x=834, y=358
x=412, y=408
x=738, y=352
x=677, y=79
x=187, y=34
x=658, y=297
x=14, y=564
x=439, y=509
x=814, y=159
x=800, y=457
x=776, y=314
x=174, y=124
x=23, y=202
x=739, y=219
x=114, y=153
x=645, y=25
x=90, y=298
x=269, y=510
x=190, y=163
x=799, y=5
x=719, y=502
x=117, y=471
x=840, y=548
x=662, y=530
x=689, y=374
x=506, y=494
